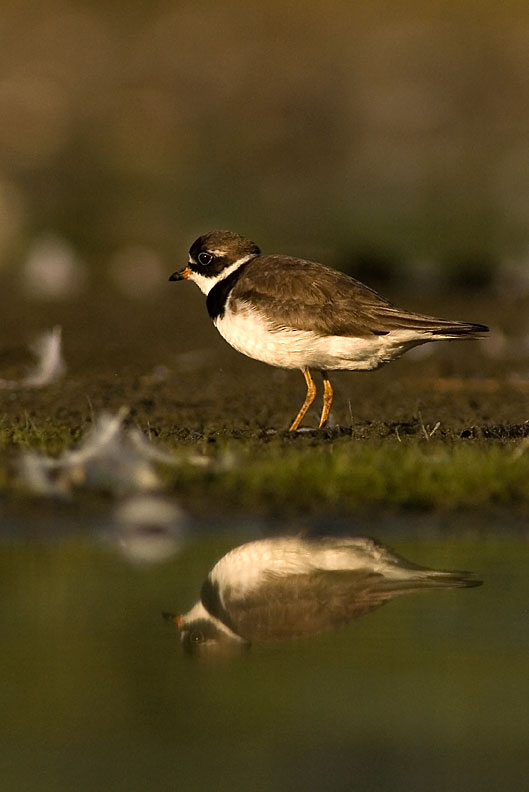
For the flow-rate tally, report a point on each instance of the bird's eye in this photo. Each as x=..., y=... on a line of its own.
x=204, y=258
x=196, y=636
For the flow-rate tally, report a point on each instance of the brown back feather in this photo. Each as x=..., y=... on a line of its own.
x=305, y=604
x=304, y=295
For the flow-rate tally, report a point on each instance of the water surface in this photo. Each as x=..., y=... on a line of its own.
x=430, y=692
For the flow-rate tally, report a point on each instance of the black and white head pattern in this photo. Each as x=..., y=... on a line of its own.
x=216, y=255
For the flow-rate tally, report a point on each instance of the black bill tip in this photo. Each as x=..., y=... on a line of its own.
x=175, y=277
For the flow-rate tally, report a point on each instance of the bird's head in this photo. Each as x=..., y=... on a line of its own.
x=202, y=638
x=215, y=255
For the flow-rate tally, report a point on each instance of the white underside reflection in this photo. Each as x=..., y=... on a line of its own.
x=289, y=587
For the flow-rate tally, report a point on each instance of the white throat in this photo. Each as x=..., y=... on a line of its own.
x=198, y=611
x=205, y=283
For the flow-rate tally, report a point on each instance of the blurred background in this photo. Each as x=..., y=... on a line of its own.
x=378, y=137
x=387, y=139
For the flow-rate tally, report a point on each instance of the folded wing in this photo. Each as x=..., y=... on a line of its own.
x=303, y=295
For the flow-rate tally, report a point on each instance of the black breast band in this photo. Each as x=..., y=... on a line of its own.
x=218, y=296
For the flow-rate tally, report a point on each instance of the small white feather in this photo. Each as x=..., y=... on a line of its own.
x=50, y=365
x=108, y=458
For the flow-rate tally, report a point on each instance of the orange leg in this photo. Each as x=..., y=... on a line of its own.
x=327, y=399
x=309, y=398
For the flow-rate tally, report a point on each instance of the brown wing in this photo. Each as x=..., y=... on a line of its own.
x=304, y=295
x=302, y=605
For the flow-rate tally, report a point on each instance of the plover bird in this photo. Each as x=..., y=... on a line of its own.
x=282, y=588
x=298, y=314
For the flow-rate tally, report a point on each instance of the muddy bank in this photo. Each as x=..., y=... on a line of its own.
x=181, y=381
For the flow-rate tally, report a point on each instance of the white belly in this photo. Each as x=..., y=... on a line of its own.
x=250, y=333
x=245, y=567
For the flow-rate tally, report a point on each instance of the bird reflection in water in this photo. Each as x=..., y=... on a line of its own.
x=288, y=587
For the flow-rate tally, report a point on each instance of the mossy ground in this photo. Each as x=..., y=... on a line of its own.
x=443, y=431
x=317, y=472
x=342, y=475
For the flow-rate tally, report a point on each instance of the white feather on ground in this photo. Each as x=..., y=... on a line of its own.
x=109, y=458
x=49, y=367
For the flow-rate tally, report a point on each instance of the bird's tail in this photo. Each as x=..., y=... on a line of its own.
x=461, y=330
x=424, y=579
x=449, y=579
x=395, y=318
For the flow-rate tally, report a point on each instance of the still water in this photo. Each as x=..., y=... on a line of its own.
x=429, y=692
